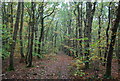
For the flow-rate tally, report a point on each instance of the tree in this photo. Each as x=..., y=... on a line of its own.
x=41, y=37
x=11, y=21
x=11, y=64
x=87, y=30
x=33, y=5
x=100, y=17
x=112, y=42
x=42, y=28
x=107, y=35
x=20, y=32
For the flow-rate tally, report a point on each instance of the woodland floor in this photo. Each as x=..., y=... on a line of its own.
x=55, y=67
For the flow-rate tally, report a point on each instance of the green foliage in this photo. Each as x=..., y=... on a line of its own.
x=7, y=39
x=79, y=73
x=41, y=56
x=78, y=65
x=81, y=39
x=5, y=53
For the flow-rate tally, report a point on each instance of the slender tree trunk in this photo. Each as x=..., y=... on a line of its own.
x=107, y=35
x=28, y=47
x=36, y=30
x=11, y=18
x=78, y=26
x=99, y=33
x=21, y=27
x=76, y=42
x=32, y=35
x=11, y=64
x=80, y=29
x=112, y=42
x=42, y=31
x=69, y=33
x=55, y=41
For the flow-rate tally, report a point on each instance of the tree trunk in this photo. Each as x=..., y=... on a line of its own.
x=32, y=35
x=99, y=32
x=42, y=30
x=21, y=27
x=88, y=28
x=117, y=51
x=112, y=42
x=107, y=35
x=80, y=28
x=28, y=47
x=36, y=30
x=11, y=18
x=79, y=25
x=11, y=64
x=55, y=41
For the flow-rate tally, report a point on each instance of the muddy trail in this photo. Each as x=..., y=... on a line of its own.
x=50, y=67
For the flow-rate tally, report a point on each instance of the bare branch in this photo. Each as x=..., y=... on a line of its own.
x=50, y=13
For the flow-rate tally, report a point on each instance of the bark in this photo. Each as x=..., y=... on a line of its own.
x=69, y=33
x=42, y=30
x=55, y=40
x=36, y=30
x=99, y=32
x=112, y=43
x=117, y=47
x=80, y=28
x=32, y=35
x=107, y=35
x=28, y=47
x=77, y=26
x=20, y=32
x=29, y=36
x=88, y=28
x=11, y=64
x=11, y=18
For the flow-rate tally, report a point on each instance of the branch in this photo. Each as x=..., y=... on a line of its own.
x=50, y=13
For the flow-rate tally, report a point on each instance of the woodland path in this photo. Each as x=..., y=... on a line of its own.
x=51, y=67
